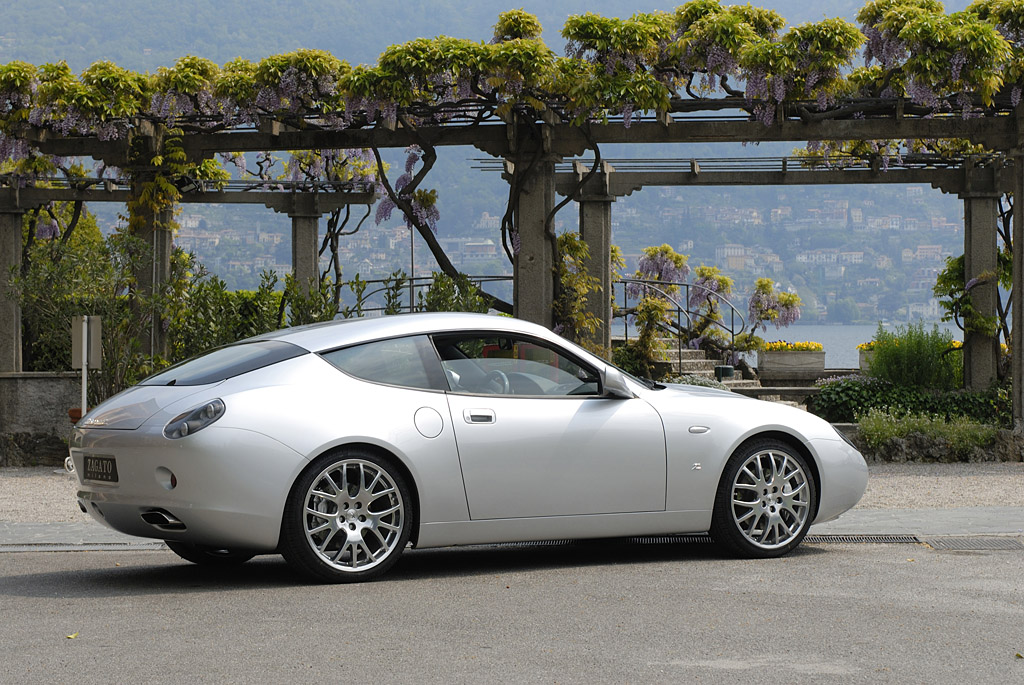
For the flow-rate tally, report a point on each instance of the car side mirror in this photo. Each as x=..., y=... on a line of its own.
x=613, y=384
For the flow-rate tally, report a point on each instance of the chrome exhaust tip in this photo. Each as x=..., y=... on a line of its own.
x=162, y=519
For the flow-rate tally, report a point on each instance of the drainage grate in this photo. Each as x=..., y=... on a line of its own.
x=536, y=543
x=871, y=539
x=975, y=543
x=671, y=540
x=83, y=547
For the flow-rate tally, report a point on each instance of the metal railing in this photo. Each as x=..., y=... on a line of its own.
x=733, y=322
x=376, y=290
x=641, y=287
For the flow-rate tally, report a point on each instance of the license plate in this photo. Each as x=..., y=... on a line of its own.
x=103, y=469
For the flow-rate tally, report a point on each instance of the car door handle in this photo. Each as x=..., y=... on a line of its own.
x=478, y=415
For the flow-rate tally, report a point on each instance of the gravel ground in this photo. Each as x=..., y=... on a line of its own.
x=43, y=494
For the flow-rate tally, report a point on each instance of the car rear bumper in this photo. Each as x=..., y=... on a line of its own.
x=223, y=486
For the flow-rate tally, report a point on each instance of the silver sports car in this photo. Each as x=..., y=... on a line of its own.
x=339, y=444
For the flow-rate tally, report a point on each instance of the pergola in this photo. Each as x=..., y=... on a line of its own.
x=533, y=152
x=978, y=180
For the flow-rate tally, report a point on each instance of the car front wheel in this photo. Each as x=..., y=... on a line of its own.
x=348, y=517
x=765, y=500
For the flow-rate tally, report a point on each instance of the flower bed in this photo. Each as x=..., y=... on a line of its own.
x=784, y=356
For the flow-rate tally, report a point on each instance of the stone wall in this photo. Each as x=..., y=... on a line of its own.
x=34, y=424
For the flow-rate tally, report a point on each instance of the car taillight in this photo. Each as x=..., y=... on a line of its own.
x=194, y=420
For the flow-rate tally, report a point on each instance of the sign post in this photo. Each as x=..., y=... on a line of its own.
x=86, y=351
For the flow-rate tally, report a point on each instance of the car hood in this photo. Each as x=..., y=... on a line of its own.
x=130, y=409
x=700, y=391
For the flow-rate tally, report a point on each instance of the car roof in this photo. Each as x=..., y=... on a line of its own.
x=340, y=332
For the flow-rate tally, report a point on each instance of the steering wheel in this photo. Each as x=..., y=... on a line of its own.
x=500, y=378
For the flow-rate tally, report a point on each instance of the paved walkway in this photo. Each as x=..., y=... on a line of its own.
x=926, y=522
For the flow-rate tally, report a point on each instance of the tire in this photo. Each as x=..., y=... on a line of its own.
x=208, y=556
x=348, y=517
x=765, y=501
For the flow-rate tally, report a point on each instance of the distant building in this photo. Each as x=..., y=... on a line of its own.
x=929, y=253
x=851, y=257
x=724, y=252
x=479, y=250
x=818, y=257
x=488, y=223
x=924, y=310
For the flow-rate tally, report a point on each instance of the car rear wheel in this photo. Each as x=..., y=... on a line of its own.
x=765, y=500
x=348, y=517
x=208, y=556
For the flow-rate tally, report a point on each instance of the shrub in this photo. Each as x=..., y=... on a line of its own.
x=702, y=381
x=207, y=315
x=961, y=435
x=917, y=358
x=447, y=294
x=849, y=398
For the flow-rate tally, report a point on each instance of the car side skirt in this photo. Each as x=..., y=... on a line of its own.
x=562, y=527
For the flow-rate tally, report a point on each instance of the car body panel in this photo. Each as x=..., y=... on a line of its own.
x=559, y=456
x=561, y=528
x=132, y=407
x=228, y=484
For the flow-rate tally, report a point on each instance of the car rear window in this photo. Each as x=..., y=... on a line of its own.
x=226, y=362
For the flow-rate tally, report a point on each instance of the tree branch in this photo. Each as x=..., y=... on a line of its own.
x=402, y=202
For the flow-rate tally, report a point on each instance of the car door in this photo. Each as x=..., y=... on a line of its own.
x=541, y=441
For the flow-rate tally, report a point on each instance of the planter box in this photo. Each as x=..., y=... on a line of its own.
x=790, y=360
x=865, y=358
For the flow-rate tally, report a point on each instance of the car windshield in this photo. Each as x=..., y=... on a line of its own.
x=226, y=362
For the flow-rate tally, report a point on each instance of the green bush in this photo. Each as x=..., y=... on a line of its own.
x=447, y=294
x=916, y=358
x=208, y=315
x=702, y=381
x=848, y=399
x=962, y=435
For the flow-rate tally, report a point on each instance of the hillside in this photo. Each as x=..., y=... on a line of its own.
x=146, y=34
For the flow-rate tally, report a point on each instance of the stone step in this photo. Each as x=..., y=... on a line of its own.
x=675, y=354
x=695, y=366
x=735, y=383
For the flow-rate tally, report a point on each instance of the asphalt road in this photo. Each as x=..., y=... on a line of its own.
x=603, y=612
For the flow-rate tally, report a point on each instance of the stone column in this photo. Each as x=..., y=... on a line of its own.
x=534, y=266
x=10, y=309
x=306, y=250
x=596, y=232
x=155, y=229
x=981, y=352
x=1017, y=334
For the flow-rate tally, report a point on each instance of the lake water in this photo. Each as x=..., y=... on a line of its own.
x=840, y=342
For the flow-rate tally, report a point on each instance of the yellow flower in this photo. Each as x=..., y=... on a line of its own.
x=783, y=345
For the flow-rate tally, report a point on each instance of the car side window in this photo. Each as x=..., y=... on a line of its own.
x=409, y=362
x=509, y=365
